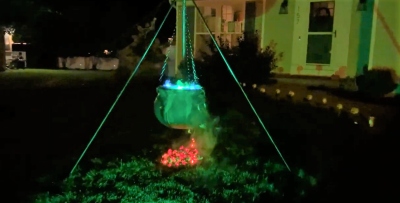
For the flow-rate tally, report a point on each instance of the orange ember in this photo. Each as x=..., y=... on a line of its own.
x=181, y=157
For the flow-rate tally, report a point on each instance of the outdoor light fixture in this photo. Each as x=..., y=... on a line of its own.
x=371, y=121
x=284, y=7
x=362, y=5
x=354, y=110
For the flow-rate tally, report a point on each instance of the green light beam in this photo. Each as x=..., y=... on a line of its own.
x=123, y=89
x=234, y=77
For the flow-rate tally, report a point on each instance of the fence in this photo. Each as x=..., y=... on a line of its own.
x=88, y=63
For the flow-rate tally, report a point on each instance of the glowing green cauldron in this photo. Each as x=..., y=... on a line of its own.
x=181, y=107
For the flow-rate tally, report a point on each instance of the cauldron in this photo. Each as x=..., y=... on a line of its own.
x=181, y=108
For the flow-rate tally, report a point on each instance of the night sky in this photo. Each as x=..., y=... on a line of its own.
x=92, y=26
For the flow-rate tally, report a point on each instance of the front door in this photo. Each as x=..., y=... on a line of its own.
x=320, y=37
x=250, y=17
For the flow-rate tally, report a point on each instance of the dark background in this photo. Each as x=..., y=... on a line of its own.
x=85, y=27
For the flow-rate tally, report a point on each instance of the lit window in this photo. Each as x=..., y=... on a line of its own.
x=227, y=13
x=227, y=16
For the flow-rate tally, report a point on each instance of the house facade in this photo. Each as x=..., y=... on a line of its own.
x=8, y=47
x=317, y=37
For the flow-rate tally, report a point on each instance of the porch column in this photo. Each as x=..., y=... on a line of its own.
x=385, y=37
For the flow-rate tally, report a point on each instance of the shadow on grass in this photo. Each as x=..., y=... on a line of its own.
x=327, y=145
x=44, y=130
x=50, y=128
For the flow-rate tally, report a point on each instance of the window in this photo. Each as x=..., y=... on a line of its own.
x=227, y=17
x=209, y=15
x=320, y=32
x=227, y=13
x=213, y=12
x=321, y=16
x=318, y=6
x=208, y=11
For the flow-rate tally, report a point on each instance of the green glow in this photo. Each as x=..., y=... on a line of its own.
x=182, y=85
x=122, y=91
x=234, y=77
x=139, y=180
x=180, y=108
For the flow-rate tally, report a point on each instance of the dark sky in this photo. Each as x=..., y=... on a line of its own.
x=98, y=25
x=128, y=12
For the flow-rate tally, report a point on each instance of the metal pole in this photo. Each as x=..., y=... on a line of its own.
x=183, y=29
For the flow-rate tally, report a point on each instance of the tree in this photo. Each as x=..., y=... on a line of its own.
x=77, y=32
x=19, y=13
x=131, y=54
x=2, y=50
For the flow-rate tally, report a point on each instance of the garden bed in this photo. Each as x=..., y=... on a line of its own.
x=237, y=171
x=129, y=148
x=382, y=111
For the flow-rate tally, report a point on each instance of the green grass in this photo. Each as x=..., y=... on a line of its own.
x=138, y=180
x=48, y=127
x=43, y=78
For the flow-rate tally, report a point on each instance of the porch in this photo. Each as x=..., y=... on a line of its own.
x=317, y=37
x=227, y=19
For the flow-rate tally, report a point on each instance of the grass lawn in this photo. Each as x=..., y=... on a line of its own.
x=45, y=129
x=37, y=78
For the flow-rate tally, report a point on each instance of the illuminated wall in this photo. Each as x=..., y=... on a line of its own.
x=279, y=28
x=385, y=47
x=360, y=36
x=8, y=41
x=214, y=24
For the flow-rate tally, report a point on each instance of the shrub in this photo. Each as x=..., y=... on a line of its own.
x=348, y=84
x=249, y=63
x=130, y=55
x=139, y=180
x=232, y=174
x=376, y=82
x=247, y=60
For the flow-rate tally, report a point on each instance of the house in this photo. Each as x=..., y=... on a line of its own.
x=8, y=46
x=317, y=37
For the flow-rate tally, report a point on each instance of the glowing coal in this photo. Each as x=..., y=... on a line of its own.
x=183, y=156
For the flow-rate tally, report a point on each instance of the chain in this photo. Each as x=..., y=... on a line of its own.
x=187, y=53
x=191, y=51
x=167, y=55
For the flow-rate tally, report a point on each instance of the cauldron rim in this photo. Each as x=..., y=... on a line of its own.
x=166, y=88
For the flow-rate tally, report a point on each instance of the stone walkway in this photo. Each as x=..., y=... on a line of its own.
x=310, y=82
